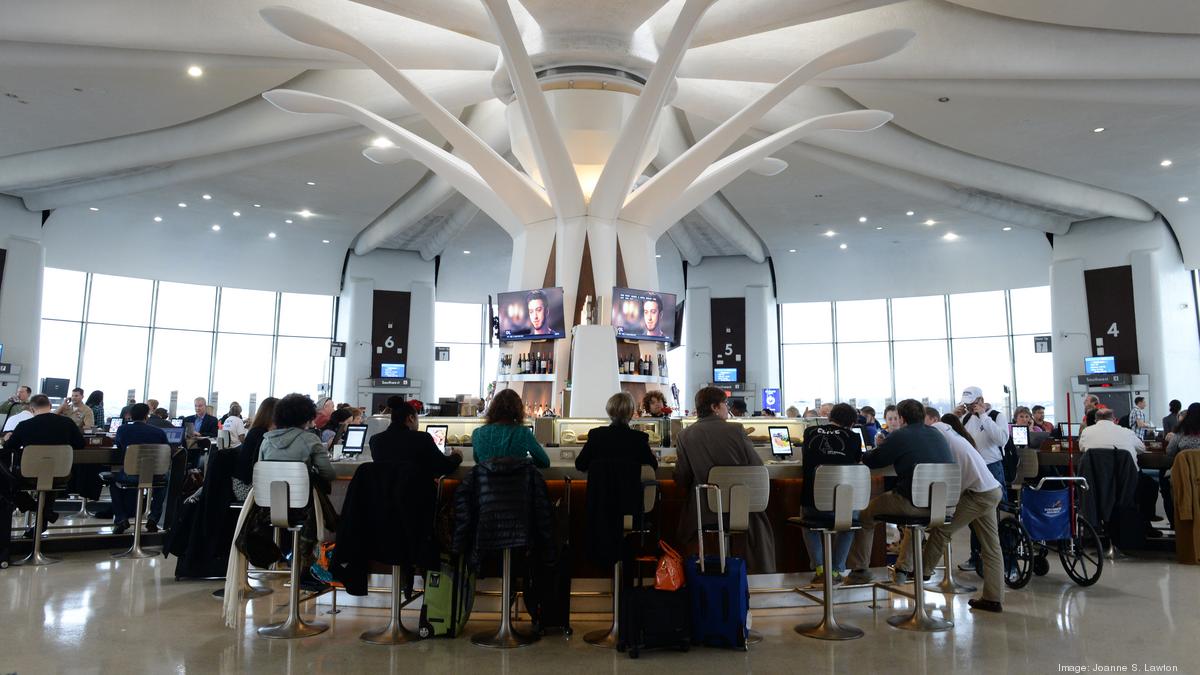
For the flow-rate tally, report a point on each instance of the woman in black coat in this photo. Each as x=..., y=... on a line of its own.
x=613, y=458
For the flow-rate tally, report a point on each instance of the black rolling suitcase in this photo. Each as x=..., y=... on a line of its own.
x=548, y=587
x=653, y=619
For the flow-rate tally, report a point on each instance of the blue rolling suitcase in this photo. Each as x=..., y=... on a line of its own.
x=719, y=588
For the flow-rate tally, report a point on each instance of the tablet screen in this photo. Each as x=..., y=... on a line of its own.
x=1020, y=436
x=356, y=436
x=438, y=431
x=862, y=440
x=781, y=441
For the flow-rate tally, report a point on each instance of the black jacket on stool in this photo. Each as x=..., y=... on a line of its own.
x=612, y=458
x=204, y=530
x=503, y=504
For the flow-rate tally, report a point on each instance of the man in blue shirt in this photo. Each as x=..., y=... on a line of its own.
x=912, y=444
x=124, y=499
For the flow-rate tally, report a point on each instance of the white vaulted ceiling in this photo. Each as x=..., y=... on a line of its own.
x=96, y=111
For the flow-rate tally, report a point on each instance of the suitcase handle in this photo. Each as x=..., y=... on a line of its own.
x=700, y=489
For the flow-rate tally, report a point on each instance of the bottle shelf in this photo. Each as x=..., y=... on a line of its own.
x=648, y=379
x=545, y=377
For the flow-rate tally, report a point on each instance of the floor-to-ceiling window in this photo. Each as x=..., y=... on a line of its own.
x=120, y=334
x=461, y=328
x=928, y=348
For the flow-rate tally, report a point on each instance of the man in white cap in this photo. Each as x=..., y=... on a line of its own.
x=989, y=428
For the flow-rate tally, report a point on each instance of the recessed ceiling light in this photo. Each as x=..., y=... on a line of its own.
x=862, y=219
x=909, y=213
x=216, y=228
x=791, y=250
x=195, y=71
x=1182, y=200
x=382, y=142
x=237, y=214
x=931, y=222
x=305, y=213
x=324, y=241
x=879, y=227
x=1097, y=130
x=288, y=221
x=1008, y=229
x=183, y=205
x=829, y=233
x=949, y=236
x=309, y=183
x=206, y=196
x=92, y=208
x=258, y=206
x=466, y=252
x=158, y=219
x=843, y=247
x=1166, y=162
x=270, y=235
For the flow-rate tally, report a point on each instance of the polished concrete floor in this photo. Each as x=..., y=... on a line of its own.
x=90, y=614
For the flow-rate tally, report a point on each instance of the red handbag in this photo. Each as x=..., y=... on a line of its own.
x=668, y=575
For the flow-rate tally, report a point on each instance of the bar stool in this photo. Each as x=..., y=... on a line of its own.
x=150, y=464
x=394, y=633
x=283, y=487
x=838, y=490
x=934, y=487
x=744, y=490
x=608, y=638
x=505, y=637
x=43, y=465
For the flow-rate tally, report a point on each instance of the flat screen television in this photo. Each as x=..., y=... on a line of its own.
x=532, y=315
x=643, y=315
x=1099, y=365
x=391, y=370
x=724, y=374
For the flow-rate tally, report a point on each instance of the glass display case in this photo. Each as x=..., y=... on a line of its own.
x=458, y=429
x=573, y=431
x=756, y=427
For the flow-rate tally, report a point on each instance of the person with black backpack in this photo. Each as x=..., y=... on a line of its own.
x=989, y=428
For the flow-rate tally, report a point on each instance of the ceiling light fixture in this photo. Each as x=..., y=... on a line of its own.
x=258, y=206
x=1182, y=200
x=216, y=228
x=950, y=236
x=309, y=183
x=382, y=142
x=1165, y=163
x=791, y=250
x=1008, y=229
x=195, y=71
x=843, y=247
x=931, y=222
x=288, y=221
x=183, y=205
x=909, y=213
x=880, y=227
x=305, y=213
x=270, y=235
x=1098, y=130
x=324, y=241
x=158, y=219
x=92, y=208
x=862, y=219
x=206, y=196
x=237, y=214
x=829, y=233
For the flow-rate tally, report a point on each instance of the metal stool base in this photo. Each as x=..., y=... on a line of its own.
x=292, y=628
x=753, y=637
x=37, y=560
x=948, y=584
x=607, y=638
x=245, y=594
x=919, y=620
x=505, y=637
x=827, y=628
x=391, y=634
x=136, y=551
x=829, y=631
x=136, y=554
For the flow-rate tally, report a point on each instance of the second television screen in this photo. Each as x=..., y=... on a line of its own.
x=532, y=315
x=643, y=315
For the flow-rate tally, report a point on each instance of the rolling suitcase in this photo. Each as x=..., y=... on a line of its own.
x=448, y=598
x=653, y=619
x=719, y=588
x=548, y=587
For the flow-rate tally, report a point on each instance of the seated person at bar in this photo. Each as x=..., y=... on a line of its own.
x=505, y=433
x=202, y=423
x=976, y=508
x=832, y=443
x=78, y=413
x=617, y=442
x=44, y=428
x=124, y=496
x=401, y=442
x=910, y=444
x=1105, y=433
x=870, y=425
x=713, y=441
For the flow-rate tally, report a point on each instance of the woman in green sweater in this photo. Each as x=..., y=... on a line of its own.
x=505, y=434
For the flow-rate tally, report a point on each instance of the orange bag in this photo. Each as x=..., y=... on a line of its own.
x=668, y=576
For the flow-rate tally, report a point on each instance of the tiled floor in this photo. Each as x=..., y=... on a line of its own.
x=90, y=614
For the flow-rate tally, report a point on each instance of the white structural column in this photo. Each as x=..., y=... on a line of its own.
x=760, y=315
x=697, y=317
x=1164, y=306
x=353, y=328
x=21, y=305
x=421, y=321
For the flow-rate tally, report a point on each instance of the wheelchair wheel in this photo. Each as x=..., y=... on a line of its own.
x=1082, y=556
x=1017, y=550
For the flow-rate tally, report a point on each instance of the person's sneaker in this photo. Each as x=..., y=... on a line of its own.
x=121, y=527
x=52, y=517
x=151, y=526
x=901, y=577
x=312, y=584
x=985, y=605
x=968, y=566
x=818, y=580
x=858, y=578
x=838, y=577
